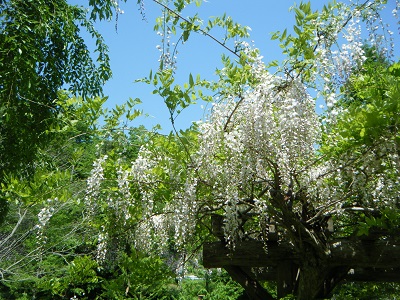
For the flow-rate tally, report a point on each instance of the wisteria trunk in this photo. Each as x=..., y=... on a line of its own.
x=312, y=278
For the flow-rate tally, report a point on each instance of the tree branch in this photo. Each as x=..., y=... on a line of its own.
x=199, y=30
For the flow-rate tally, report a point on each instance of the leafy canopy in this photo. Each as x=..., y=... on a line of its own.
x=41, y=52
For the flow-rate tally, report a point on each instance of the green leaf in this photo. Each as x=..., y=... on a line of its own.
x=299, y=13
x=395, y=69
x=191, y=82
x=275, y=35
x=297, y=30
x=185, y=35
x=312, y=16
x=284, y=34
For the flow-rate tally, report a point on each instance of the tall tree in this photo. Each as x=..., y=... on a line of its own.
x=42, y=51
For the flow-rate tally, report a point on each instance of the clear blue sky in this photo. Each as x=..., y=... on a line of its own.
x=133, y=50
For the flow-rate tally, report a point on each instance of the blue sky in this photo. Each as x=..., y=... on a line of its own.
x=133, y=50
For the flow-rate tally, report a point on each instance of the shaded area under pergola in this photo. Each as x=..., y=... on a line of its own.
x=374, y=258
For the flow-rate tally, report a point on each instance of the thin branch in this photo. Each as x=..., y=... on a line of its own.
x=14, y=229
x=241, y=98
x=199, y=30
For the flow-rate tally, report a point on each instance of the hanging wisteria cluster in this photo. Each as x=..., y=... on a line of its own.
x=44, y=217
x=245, y=146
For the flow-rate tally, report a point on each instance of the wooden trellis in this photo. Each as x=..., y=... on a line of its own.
x=351, y=259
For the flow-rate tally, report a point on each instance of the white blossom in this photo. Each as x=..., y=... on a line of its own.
x=44, y=217
x=93, y=184
x=101, y=245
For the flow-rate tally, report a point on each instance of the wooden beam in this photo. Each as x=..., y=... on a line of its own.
x=380, y=254
x=245, y=254
x=358, y=274
x=373, y=274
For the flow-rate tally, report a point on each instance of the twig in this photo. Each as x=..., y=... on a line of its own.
x=198, y=30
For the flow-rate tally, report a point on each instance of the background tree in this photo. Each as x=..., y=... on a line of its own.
x=44, y=227
x=42, y=52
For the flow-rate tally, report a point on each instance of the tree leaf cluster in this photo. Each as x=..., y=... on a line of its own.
x=42, y=51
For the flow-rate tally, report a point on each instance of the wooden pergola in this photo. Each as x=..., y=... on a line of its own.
x=372, y=258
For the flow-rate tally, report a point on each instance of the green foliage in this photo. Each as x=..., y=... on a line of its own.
x=369, y=117
x=190, y=289
x=41, y=51
x=222, y=30
x=68, y=155
x=366, y=291
x=232, y=29
x=79, y=278
x=176, y=97
x=4, y=209
x=221, y=286
x=43, y=267
x=35, y=260
x=104, y=9
x=41, y=186
x=387, y=221
x=82, y=273
x=137, y=277
x=372, y=105
x=300, y=45
x=236, y=76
